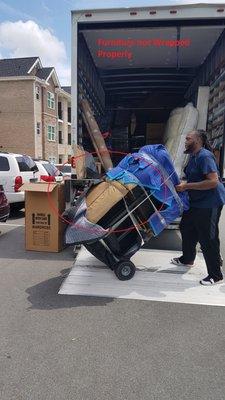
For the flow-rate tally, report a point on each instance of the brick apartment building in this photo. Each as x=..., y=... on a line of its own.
x=35, y=111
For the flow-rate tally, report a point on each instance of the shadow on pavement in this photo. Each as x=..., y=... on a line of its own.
x=167, y=240
x=44, y=296
x=15, y=214
x=12, y=246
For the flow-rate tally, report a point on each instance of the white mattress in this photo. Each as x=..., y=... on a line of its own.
x=180, y=122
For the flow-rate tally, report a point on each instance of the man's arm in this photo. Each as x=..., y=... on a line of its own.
x=210, y=182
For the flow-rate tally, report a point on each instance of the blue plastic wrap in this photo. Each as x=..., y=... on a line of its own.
x=152, y=168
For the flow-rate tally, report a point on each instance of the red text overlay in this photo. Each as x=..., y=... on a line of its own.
x=143, y=42
x=129, y=43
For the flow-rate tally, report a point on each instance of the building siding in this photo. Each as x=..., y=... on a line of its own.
x=38, y=119
x=20, y=111
x=64, y=150
x=17, y=117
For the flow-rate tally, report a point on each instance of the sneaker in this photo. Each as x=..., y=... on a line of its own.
x=210, y=281
x=176, y=261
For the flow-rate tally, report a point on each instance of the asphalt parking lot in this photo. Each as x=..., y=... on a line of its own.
x=73, y=347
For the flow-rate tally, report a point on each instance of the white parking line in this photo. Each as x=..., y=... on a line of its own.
x=5, y=224
x=155, y=280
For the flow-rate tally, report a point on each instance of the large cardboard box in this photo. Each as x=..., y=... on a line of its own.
x=103, y=197
x=44, y=204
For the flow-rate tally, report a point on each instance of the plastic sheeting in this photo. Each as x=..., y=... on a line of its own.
x=79, y=229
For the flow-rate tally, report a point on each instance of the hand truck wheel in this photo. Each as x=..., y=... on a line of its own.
x=125, y=270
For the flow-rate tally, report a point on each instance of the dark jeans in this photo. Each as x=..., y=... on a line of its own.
x=201, y=225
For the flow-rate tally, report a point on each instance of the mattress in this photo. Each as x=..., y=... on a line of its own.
x=180, y=122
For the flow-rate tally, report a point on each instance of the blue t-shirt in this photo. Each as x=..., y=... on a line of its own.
x=199, y=165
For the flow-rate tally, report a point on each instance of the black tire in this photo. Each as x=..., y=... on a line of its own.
x=125, y=270
x=15, y=207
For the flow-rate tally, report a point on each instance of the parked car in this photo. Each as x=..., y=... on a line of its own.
x=65, y=169
x=4, y=206
x=16, y=169
x=48, y=171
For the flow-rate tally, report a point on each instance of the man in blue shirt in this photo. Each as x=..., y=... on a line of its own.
x=207, y=197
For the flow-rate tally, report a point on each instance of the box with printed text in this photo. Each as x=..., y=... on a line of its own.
x=44, y=226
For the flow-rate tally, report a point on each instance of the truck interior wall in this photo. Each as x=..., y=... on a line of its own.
x=89, y=86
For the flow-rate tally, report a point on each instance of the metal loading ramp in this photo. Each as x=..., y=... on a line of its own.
x=156, y=280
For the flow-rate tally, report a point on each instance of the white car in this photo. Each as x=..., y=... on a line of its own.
x=15, y=170
x=48, y=171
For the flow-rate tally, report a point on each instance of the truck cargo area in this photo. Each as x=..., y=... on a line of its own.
x=135, y=72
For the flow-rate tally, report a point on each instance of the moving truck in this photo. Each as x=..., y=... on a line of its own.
x=136, y=65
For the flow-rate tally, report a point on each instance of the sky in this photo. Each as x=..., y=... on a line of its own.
x=43, y=28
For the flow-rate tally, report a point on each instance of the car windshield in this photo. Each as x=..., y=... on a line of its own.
x=66, y=168
x=25, y=163
x=51, y=169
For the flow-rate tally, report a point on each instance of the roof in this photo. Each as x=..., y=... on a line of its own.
x=16, y=66
x=43, y=73
x=23, y=66
x=67, y=89
x=122, y=5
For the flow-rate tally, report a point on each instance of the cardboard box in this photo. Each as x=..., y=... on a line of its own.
x=44, y=204
x=154, y=133
x=103, y=197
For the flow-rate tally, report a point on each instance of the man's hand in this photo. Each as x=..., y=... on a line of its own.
x=210, y=182
x=181, y=187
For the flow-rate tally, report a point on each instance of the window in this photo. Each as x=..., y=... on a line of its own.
x=38, y=128
x=26, y=164
x=69, y=114
x=51, y=133
x=52, y=159
x=51, y=100
x=37, y=91
x=4, y=164
x=60, y=137
x=60, y=116
x=69, y=138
